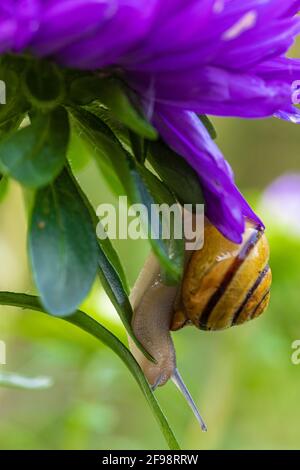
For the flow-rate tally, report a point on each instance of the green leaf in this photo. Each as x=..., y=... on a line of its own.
x=120, y=131
x=10, y=126
x=36, y=154
x=209, y=126
x=113, y=258
x=11, y=380
x=106, y=149
x=94, y=328
x=62, y=246
x=104, y=245
x=153, y=194
x=111, y=274
x=175, y=172
x=137, y=144
x=103, y=163
x=137, y=184
x=78, y=152
x=114, y=288
x=113, y=279
x=113, y=94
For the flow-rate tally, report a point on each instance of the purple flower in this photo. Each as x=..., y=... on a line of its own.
x=183, y=57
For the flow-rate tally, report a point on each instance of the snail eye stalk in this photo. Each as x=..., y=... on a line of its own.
x=178, y=381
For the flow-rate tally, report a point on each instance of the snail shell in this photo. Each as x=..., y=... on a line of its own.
x=225, y=284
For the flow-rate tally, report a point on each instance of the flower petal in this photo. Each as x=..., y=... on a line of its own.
x=66, y=21
x=127, y=23
x=185, y=134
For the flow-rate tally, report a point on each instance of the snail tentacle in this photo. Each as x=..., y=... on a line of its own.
x=178, y=381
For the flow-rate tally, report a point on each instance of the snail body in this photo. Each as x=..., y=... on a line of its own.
x=224, y=285
x=153, y=328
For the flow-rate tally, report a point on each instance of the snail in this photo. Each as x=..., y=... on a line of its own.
x=224, y=284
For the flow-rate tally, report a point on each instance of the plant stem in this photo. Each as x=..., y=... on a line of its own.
x=91, y=326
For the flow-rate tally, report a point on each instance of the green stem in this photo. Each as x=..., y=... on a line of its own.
x=94, y=328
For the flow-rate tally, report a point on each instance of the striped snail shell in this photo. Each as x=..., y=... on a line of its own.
x=225, y=284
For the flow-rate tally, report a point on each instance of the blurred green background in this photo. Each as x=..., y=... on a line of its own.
x=243, y=379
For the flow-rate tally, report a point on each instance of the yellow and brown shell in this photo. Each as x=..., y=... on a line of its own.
x=225, y=284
